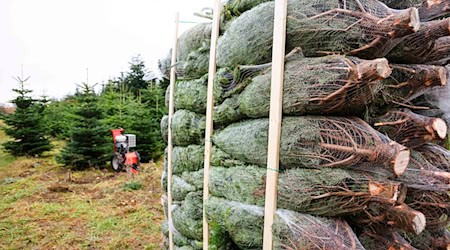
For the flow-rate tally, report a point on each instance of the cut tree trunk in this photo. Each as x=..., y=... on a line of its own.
x=410, y=129
x=436, y=155
x=414, y=48
x=406, y=83
x=314, y=142
x=434, y=205
x=325, y=192
x=440, y=54
x=376, y=238
x=244, y=224
x=399, y=216
x=323, y=85
x=402, y=4
x=428, y=9
x=434, y=9
x=367, y=29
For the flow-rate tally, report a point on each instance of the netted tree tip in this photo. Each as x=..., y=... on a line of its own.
x=401, y=162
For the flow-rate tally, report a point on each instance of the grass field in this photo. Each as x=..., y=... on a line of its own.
x=43, y=206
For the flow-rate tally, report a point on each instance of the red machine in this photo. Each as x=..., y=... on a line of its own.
x=122, y=156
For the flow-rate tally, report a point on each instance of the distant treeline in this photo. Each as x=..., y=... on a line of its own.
x=84, y=119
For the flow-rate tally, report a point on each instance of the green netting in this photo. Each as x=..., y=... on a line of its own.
x=420, y=174
x=179, y=240
x=192, y=39
x=324, y=85
x=245, y=223
x=191, y=159
x=163, y=126
x=326, y=192
x=193, y=51
x=365, y=28
x=234, y=8
x=188, y=169
x=192, y=94
x=228, y=111
x=197, y=62
x=311, y=142
x=164, y=64
x=187, y=128
x=187, y=217
x=180, y=188
x=233, y=49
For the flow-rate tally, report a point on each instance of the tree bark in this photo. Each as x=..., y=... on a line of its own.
x=414, y=48
x=410, y=129
x=434, y=9
x=440, y=54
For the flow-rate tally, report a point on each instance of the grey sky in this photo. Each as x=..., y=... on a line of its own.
x=56, y=40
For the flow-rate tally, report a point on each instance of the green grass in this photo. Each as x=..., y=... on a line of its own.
x=96, y=210
x=132, y=185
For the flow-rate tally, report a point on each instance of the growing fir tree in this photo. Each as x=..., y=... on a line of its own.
x=134, y=80
x=152, y=105
x=88, y=144
x=117, y=106
x=26, y=125
x=59, y=117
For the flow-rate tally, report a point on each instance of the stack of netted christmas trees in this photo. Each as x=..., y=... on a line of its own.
x=362, y=162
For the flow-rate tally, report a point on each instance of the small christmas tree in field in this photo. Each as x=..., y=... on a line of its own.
x=25, y=125
x=88, y=143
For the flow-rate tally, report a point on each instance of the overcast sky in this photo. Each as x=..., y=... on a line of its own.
x=56, y=40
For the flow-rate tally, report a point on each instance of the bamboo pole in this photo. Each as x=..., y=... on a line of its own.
x=275, y=115
x=169, y=143
x=209, y=116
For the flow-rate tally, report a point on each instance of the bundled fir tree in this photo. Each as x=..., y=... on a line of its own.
x=25, y=125
x=88, y=143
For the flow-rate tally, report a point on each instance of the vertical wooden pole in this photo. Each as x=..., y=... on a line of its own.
x=170, y=146
x=209, y=116
x=275, y=116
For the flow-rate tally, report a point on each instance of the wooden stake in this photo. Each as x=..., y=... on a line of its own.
x=275, y=116
x=209, y=116
x=169, y=143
